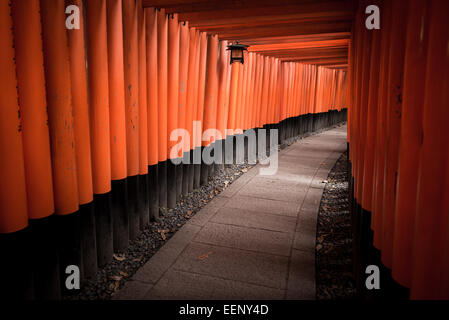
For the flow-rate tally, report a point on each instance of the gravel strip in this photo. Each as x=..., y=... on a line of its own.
x=123, y=265
x=334, y=276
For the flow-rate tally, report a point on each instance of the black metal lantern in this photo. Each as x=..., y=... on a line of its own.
x=237, y=51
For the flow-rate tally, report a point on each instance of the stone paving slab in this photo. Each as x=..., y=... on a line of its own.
x=305, y=240
x=255, y=219
x=307, y=220
x=268, y=183
x=251, y=239
x=301, y=278
x=181, y=285
x=234, y=264
x=230, y=191
x=300, y=175
x=255, y=240
x=306, y=162
x=167, y=255
x=275, y=207
x=262, y=191
x=133, y=290
x=312, y=199
x=204, y=215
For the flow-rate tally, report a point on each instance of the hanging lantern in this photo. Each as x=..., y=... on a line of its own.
x=237, y=52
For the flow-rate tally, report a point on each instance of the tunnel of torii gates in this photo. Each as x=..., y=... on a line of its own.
x=86, y=116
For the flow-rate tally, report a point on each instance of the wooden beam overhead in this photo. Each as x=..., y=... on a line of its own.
x=308, y=31
x=284, y=30
x=311, y=52
x=211, y=24
x=337, y=66
x=318, y=61
x=298, y=38
x=228, y=9
x=340, y=43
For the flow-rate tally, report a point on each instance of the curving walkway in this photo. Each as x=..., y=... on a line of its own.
x=255, y=240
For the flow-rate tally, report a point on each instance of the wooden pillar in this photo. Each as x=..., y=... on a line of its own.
x=97, y=58
x=153, y=117
x=143, y=201
x=184, y=58
x=117, y=116
x=410, y=140
x=431, y=218
x=393, y=125
x=172, y=106
x=200, y=106
x=162, y=39
x=192, y=88
x=13, y=196
x=80, y=109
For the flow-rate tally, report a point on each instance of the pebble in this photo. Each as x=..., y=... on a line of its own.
x=334, y=277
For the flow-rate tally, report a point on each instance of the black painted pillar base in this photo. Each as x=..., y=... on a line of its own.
x=18, y=259
x=292, y=127
x=212, y=165
x=68, y=240
x=163, y=184
x=275, y=126
x=285, y=131
x=103, y=226
x=204, y=175
x=245, y=147
x=266, y=127
x=364, y=254
x=235, y=140
x=303, y=129
x=322, y=120
x=119, y=205
x=191, y=172
x=133, y=207
x=281, y=133
x=289, y=128
x=88, y=240
x=314, y=120
x=44, y=256
x=310, y=122
x=171, y=184
x=179, y=179
x=153, y=192
x=185, y=173
x=143, y=202
x=297, y=125
x=206, y=168
x=228, y=148
x=390, y=289
x=301, y=125
x=198, y=151
x=362, y=247
x=306, y=124
x=220, y=165
x=285, y=128
x=355, y=223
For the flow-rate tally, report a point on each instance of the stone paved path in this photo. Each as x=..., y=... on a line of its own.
x=255, y=240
